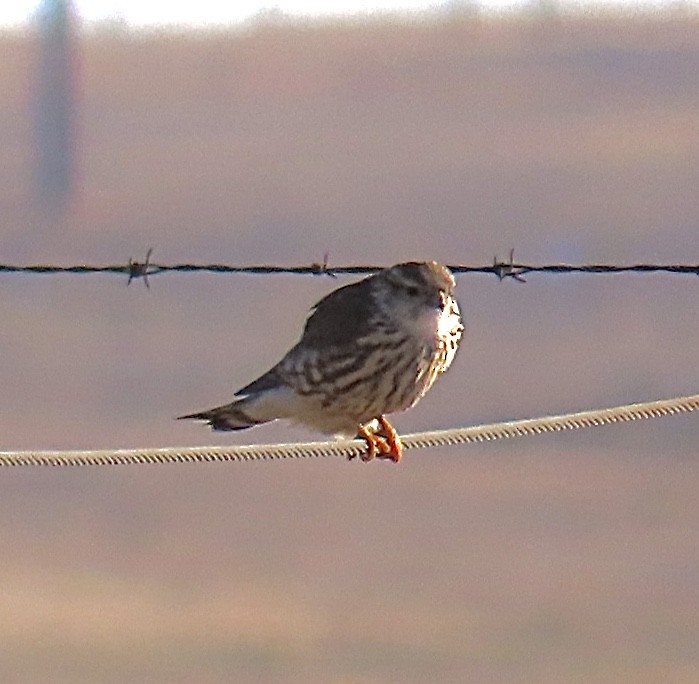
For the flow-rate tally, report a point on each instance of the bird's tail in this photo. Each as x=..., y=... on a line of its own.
x=238, y=415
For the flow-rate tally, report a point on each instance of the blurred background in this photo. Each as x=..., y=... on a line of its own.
x=455, y=133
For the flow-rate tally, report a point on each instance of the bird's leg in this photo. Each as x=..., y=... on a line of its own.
x=376, y=444
x=391, y=439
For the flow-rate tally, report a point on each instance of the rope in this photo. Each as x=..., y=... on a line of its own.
x=347, y=448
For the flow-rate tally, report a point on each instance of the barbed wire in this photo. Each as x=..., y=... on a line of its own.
x=353, y=448
x=145, y=269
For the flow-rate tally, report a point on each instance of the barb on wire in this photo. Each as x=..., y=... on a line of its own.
x=322, y=269
x=351, y=448
x=507, y=269
x=502, y=270
x=140, y=270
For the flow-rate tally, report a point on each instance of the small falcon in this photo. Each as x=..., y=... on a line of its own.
x=368, y=349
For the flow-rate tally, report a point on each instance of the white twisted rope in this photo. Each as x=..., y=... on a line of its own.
x=346, y=448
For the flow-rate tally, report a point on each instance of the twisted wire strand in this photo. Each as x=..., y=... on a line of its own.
x=347, y=448
x=136, y=269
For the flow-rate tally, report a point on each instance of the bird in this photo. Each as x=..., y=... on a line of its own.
x=368, y=349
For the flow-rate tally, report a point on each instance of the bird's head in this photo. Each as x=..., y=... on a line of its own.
x=413, y=289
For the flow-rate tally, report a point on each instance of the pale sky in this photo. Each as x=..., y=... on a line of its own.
x=202, y=12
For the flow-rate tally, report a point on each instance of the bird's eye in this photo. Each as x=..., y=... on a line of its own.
x=412, y=291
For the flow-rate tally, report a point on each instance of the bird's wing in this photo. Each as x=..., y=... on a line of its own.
x=267, y=381
x=335, y=322
x=340, y=317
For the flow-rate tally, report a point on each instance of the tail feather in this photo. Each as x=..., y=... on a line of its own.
x=259, y=407
x=229, y=417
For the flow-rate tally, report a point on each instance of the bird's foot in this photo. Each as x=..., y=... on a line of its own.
x=382, y=443
x=391, y=439
x=378, y=446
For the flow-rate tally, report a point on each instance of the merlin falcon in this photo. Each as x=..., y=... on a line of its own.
x=368, y=349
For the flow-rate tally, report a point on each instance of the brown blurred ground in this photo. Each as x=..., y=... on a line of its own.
x=558, y=559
